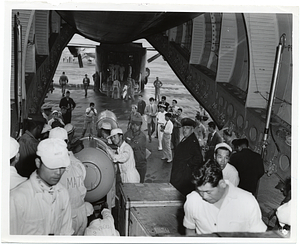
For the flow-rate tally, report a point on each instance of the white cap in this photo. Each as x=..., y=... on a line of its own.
x=69, y=128
x=54, y=111
x=46, y=128
x=223, y=144
x=58, y=132
x=106, y=126
x=115, y=132
x=54, y=153
x=14, y=147
x=46, y=106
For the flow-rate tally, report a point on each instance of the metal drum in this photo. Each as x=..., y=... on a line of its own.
x=107, y=116
x=100, y=171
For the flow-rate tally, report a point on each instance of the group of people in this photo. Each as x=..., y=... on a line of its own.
x=47, y=188
x=218, y=175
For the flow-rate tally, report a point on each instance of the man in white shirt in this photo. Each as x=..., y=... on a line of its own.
x=218, y=206
x=166, y=139
x=161, y=121
x=89, y=120
x=40, y=205
x=222, y=156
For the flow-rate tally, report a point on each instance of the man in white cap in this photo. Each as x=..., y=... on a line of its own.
x=123, y=157
x=104, y=131
x=56, y=121
x=40, y=205
x=222, y=156
x=73, y=181
x=15, y=178
x=161, y=121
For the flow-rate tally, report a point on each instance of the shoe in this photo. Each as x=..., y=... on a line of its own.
x=159, y=149
x=163, y=158
x=169, y=161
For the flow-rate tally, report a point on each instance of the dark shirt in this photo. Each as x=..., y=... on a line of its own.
x=64, y=102
x=138, y=144
x=250, y=166
x=212, y=141
x=141, y=107
x=187, y=157
x=28, y=147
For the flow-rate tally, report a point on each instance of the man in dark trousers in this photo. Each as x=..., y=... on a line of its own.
x=187, y=157
x=213, y=139
x=86, y=83
x=141, y=105
x=249, y=164
x=67, y=105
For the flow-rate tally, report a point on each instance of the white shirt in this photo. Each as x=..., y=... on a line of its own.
x=89, y=112
x=161, y=117
x=102, y=227
x=15, y=178
x=239, y=212
x=125, y=157
x=168, y=127
x=36, y=209
x=230, y=173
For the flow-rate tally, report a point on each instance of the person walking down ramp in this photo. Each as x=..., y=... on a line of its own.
x=157, y=85
x=63, y=81
x=67, y=105
x=86, y=83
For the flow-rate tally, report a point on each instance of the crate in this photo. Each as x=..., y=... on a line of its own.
x=144, y=195
x=156, y=221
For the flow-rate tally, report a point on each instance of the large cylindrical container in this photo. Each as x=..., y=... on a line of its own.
x=100, y=171
x=107, y=116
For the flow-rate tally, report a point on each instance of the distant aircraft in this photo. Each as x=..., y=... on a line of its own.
x=81, y=47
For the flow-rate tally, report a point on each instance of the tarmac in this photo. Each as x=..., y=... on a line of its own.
x=158, y=171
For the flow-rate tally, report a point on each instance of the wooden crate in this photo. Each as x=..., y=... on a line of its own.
x=144, y=195
x=156, y=221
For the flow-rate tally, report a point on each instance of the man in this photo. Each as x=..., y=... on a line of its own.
x=46, y=111
x=134, y=114
x=141, y=105
x=137, y=140
x=161, y=121
x=222, y=156
x=86, y=83
x=218, y=206
x=157, y=85
x=166, y=138
x=173, y=108
x=89, y=119
x=151, y=112
x=56, y=121
x=213, y=139
x=249, y=164
x=187, y=157
x=63, y=80
x=124, y=157
x=73, y=181
x=176, y=120
x=67, y=105
x=75, y=144
x=15, y=178
x=29, y=141
x=164, y=102
x=40, y=205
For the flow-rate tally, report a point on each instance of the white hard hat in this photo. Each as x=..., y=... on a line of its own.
x=224, y=145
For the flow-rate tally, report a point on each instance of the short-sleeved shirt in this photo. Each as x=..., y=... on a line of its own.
x=230, y=173
x=239, y=212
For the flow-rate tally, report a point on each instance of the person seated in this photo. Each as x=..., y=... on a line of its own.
x=218, y=206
